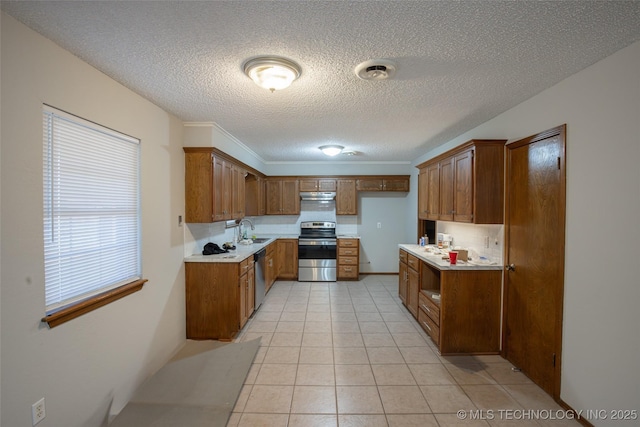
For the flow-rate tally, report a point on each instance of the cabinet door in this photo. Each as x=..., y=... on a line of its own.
x=308, y=185
x=413, y=288
x=423, y=194
x=433, y=192
x=395, y=185
x=199, y=191
x=447, y=177
x=254, y=196
x=251, y=290
x=403, y=278
x=326, y=185
x=242, y=303
x=218, y=189
x=290, y=197
x=237, y=192
x=463, y=195
x=369, y=184
x=287, y=258
x=346, y=198
x=227, y=190
x=274, y=197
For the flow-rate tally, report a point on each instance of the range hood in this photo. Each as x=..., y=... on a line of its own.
x=318, y=195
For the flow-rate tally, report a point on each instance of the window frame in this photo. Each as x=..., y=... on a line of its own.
x=89, y=299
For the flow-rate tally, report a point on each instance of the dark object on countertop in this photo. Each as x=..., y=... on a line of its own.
x=213, y=249
x=229, y=246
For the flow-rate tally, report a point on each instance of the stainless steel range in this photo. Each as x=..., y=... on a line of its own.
x=317, y=251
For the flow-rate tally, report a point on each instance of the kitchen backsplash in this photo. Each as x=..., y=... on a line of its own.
x=474, y=236
x=197, y=235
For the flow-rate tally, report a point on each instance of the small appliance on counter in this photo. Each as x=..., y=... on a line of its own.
x=444, y=240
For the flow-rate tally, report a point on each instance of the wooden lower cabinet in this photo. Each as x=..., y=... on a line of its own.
x=348, y=259
x=219, y=298
x=270, y=266
x=287, y=253
x=458, y=309
x=403, y=277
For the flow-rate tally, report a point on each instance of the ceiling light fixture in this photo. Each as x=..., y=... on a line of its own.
x=272, y=72
x=331, y=150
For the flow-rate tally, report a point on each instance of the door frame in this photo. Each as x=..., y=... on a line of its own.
x=560, y=132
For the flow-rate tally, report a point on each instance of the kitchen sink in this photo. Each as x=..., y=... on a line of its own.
x=261, y=239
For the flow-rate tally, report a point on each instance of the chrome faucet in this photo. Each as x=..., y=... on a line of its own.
x=240, y=227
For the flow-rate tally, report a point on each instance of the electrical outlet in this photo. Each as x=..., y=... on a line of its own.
x=486, y=241
x=37, y=411
x=379, y=225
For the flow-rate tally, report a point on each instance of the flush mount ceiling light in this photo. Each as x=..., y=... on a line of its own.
x=376, y=69
x=272, y=72
x=331, y=150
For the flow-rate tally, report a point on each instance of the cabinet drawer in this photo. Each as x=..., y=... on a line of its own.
x=347, y=271
x=429, y=327
x=348, y=243
x=348, y=260
x=244, y=266
x=429, y=307
x=403, y=256
x=348, y=252
x=413, y=262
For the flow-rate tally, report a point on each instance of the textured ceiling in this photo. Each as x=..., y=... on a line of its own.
x=459, y=64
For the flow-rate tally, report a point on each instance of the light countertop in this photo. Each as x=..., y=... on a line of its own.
x=241, y=252
x=441, y=264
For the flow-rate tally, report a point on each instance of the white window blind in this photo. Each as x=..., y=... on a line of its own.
x=91, y=208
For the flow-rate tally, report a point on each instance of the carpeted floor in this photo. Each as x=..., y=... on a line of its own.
x=198, y=387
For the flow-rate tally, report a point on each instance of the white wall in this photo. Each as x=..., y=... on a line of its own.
x=601, y=342
x=90, y=366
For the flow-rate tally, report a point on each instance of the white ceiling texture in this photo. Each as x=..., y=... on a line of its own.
x=459, y=63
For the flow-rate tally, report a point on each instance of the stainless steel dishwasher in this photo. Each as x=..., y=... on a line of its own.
x=259, y=258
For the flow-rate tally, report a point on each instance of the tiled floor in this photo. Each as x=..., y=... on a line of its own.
x=349, y=354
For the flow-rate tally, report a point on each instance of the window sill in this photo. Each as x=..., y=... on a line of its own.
x=77, y=309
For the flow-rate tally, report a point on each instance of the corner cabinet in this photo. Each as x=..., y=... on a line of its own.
x=465, y=184
x=214, y=187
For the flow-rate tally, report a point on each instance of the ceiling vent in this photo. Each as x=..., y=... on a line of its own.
x=376, y=69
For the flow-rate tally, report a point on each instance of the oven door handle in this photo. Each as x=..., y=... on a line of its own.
x=317, y=242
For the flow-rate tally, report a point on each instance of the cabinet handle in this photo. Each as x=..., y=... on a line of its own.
x=347, y=268
x=426, y=308
x=427, y=326
x=510, y=267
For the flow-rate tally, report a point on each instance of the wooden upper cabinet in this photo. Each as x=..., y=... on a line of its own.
x=283, y=196
x=346, y=197
x=463, y=187
x=433, y=191
x=465, y=184
x=447, y=175
x=381, y=183
x=393, y=184
x=423, y=183
x=255, y=195
x=319, y=184
x=369, y=184
x=214, y=186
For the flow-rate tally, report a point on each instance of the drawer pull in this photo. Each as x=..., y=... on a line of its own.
x=427, y=326
x=426, y=308
x=347, y=268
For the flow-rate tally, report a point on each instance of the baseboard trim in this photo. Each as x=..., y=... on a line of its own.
x=579, y=419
